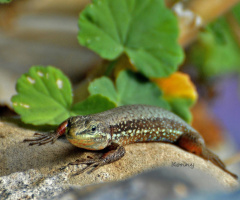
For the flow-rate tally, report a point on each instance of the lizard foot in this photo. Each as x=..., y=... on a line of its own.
x=115, y=153
x=41, y=139
x=93, y=164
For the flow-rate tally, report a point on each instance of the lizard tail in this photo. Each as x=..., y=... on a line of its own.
x=195, y=144
x=208, y=155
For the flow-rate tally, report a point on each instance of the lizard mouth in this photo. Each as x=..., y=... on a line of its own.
x=68, y=136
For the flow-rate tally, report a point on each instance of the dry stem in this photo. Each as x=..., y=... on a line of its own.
x=207, y=11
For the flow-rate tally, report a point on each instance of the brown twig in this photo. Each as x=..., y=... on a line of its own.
x=207, y=11
x=235, y=27
x=233, y=159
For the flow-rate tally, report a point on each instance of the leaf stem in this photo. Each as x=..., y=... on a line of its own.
x=111, y=65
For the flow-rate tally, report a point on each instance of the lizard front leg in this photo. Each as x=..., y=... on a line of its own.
x=115, y=153
x=41, y=139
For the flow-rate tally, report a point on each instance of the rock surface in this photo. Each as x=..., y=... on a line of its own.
x=35, y=171
x=163, y=183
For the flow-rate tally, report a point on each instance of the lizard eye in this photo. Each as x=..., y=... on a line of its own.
x=94, y=128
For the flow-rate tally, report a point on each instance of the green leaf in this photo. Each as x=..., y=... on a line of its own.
x=105, y=87
x=44, y=96
x=216, y=51
x=5, y=1
x=180, y=106
x=93, y=104
x=130, y=88
x=143, y=29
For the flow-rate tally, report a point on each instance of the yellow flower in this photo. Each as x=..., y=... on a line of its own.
x=177, y=85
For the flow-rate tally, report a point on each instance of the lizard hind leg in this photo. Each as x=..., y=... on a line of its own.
x=191, y=142
x=194, y=143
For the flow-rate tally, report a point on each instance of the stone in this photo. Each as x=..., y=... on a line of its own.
x=36, y=171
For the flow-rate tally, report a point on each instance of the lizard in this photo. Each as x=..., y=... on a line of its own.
x=114, y=128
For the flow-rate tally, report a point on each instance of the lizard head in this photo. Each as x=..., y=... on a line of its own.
x=87, y=132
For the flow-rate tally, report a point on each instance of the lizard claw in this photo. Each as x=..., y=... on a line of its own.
x=92, y=163
x=41, y=139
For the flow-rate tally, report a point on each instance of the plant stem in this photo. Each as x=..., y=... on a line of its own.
x=110, y=67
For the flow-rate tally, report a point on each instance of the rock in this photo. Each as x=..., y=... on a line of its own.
x=32, y=184
x=163, y=183
x=36, y=170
